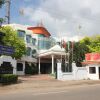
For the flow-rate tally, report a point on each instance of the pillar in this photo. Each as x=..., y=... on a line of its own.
x=52, y=64
x=39, y=66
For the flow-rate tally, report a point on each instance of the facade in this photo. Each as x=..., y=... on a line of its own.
x=42, y=49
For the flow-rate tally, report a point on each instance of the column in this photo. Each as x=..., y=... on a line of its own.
x=24, y=68
x=39, y=66
x=52, y=64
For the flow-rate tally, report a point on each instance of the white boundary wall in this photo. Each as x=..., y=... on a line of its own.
x=78, y=73
x=9, y=59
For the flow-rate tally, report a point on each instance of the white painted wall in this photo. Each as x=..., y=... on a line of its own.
x=21, y=72
x=78, y=73
x=93, y=76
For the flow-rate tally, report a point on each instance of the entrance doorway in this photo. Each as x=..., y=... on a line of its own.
x=99, y=72
x=45, y=68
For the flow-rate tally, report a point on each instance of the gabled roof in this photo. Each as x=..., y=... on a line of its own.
x=57, y=48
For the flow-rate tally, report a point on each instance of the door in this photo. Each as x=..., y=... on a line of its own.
x=99, y=72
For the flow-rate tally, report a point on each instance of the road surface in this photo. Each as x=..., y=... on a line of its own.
x=91, y=92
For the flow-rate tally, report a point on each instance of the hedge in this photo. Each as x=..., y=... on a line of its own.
x=8, y=78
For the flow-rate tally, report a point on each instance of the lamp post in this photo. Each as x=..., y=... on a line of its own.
x=8, y=3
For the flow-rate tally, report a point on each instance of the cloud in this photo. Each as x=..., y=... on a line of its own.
x=63, y=17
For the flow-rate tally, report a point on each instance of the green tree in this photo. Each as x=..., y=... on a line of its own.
x=11, y=39
x=77, y=52
x=93, y=43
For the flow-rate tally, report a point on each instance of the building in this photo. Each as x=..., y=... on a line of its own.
x=42, y=49
x=92, y=62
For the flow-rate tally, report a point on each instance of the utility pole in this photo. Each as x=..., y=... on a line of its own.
x=8, y=10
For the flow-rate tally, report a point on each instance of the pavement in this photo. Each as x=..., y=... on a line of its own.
x=42, y=83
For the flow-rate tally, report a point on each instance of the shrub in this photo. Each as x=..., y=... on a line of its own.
x=8, y=78
x=31, y=69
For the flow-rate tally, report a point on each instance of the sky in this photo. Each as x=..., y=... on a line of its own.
x=69, y=19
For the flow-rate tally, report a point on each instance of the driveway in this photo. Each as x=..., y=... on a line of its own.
x=37, y=83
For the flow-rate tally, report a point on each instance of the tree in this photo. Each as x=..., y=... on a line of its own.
x=86, y=45
x=11, y=39
x=93, y=43
x=77, y=50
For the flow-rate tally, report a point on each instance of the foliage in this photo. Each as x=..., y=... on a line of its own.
x=93, y=43
x=31, y=69
x=76, y=52
x=11, y=39
x=79, y=51
x=8, y=78
x=86, y=45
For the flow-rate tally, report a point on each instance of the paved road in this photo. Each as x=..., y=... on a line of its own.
x=77, y=93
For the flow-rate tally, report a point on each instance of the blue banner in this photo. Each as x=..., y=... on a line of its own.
x=6, y=50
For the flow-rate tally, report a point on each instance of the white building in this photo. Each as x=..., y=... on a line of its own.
x=42, y=49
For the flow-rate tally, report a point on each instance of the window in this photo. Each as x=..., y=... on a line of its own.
x=19, y=67
x=21, y=33
x=28, y=38
x=34, y=52
x=41, y=35
x=92, y=70
x=28, y=52
x=33, y=41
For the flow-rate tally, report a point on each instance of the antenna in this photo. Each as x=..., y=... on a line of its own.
x=40, y=23
x=8, y=11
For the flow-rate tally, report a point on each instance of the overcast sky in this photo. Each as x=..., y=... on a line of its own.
x=62, y=18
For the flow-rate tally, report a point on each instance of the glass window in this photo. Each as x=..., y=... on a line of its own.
x=44, y=43
x=28, y=53
x=34, y=52
x=33, y=41
x=28, y=38
x=92, y=70
x=21, y=33
x=41, y=35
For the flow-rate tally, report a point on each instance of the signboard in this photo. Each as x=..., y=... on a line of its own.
x=6, y=50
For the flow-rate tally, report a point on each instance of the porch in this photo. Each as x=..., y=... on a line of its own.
x=47, y=60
